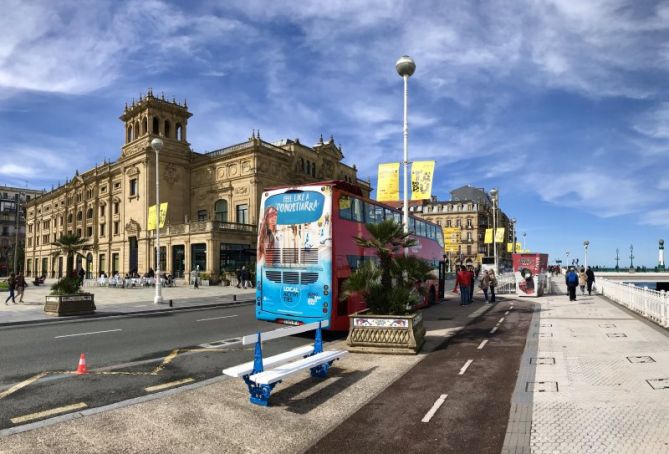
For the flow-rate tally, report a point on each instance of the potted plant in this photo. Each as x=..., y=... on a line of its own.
x=66, y=297
x=390, y=286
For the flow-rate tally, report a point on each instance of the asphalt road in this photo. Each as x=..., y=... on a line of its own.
x=468, y=382
x=135, y=352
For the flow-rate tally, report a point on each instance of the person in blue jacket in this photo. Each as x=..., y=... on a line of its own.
x=571, y=279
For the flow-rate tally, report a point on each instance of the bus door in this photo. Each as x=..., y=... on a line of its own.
x=442, y=279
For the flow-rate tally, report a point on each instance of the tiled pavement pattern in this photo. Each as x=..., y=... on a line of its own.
x=591, y=382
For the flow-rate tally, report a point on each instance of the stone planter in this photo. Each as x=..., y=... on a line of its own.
x=396, y=334
x=78, y=304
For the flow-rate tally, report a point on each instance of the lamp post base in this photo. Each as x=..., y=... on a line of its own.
x=158, y=299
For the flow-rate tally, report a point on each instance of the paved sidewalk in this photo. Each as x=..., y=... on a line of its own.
x=117, y=301
x=216, y=416
x=594, y=379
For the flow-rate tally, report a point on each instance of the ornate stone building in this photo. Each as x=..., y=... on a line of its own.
x=213, y=198
x=469, y=212
x=13, y=226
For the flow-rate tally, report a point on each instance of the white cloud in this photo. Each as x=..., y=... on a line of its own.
x=659, y=218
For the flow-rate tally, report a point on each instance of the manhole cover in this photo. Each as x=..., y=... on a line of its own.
x=659, y=383
x=545, y=360
x=640, y=359
x=607, y=325
x=541, y=387
x=616, y=334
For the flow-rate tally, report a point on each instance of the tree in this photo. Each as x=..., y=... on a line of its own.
x=388, y=283
x=70, y=246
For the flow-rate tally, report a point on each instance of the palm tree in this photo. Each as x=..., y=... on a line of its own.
x=70, y=245
x=388, y=282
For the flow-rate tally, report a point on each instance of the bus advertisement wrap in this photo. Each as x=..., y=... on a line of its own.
x=295, y=253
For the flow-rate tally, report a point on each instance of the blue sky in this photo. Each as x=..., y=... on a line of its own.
x=563, y=105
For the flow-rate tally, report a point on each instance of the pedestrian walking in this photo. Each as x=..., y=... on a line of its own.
x=484, y=284
x=20, y=286
x=82, y=273
x=195, y=277
x=472, y=277
x=11, y=282
x=493, y=285
x=245, y=277
x=238, y=276
x=571, y=279
x=463, y=280
x=582, y=280
x=590, y=279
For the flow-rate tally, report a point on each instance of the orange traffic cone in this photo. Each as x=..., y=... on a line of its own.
x=81, y=369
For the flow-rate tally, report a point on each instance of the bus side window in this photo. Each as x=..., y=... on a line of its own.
x=440, y=237
x=397, y=217
x=389, y=214
x=345, y=207
x=412, y=225
x=358, y=213
x=370, y=213
x=431, y=231
x=379, y=213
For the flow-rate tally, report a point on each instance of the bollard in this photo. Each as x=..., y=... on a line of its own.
x=234, y=297
x=170, y=303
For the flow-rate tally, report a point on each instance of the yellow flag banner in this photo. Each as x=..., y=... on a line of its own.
x=388, y=183
x=488, y=236
x=151, y=224
x=499, y=235
x=509, y=247
x=421, y=180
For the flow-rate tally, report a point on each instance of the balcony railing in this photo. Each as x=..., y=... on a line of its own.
x=208, y=226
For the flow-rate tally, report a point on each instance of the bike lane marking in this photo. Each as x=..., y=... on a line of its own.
x=438, y=403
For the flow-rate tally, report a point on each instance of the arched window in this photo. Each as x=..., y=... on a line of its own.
x=156, y=128
x=179, y=130
x=313, y=169
x=302, y=164
x=308, y=167
x=89, y=213
x=167, y=128
x=128, y=137
x=144, y=126
x=69, y=218
x=80, y=215
x=136, y=130
x=221, y=211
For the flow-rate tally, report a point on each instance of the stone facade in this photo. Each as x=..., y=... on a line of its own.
x=213, y=198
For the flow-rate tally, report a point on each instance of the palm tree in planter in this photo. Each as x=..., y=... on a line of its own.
x=390, y=285
x=65, y=297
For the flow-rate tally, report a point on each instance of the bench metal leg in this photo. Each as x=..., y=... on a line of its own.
x=322, y=370
x=259, y=393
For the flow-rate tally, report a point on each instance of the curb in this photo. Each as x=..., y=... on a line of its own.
x=76, y=318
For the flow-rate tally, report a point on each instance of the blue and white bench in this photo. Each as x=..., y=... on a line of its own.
x=262, y=374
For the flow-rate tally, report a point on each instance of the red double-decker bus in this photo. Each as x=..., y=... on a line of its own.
x=306, y=250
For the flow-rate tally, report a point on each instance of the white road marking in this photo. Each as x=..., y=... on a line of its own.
x=141, y=305
x=506, y=313
x=501, y=320
x=87, y=334
x=480, y=347
x=168, y=385
x=215, y=318
x=492, y=331
x=438, y=403
x=464, y=368
x=43, y=414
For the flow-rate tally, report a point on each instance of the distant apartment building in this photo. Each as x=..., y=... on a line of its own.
x=13, y=226
x=213, y=198
x=467, y=215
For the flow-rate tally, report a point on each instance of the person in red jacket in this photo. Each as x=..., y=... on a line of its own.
x=464, y=280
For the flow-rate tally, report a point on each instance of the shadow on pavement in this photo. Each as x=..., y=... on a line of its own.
x=339, y=380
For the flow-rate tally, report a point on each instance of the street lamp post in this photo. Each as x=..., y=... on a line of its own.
x=525, y=241
x=586, y=243
x=493, y=195
x=405, y=67
x=513, y=236
x=157, y=145
x=567, y=254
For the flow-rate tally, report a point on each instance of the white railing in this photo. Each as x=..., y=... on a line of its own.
x=651, y=304
x=506, y=283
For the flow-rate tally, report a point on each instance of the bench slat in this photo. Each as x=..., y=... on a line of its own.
x=247, y=368
x=282, y=332
x=274, y=375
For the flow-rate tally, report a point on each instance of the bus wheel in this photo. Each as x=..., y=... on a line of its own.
x=433, y=297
